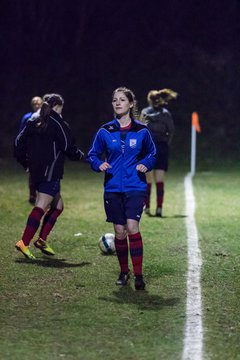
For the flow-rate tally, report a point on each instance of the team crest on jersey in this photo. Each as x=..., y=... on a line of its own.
x=133, y=143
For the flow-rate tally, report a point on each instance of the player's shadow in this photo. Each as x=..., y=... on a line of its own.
x=52, y=263
x=177, y=216
x=142, y=299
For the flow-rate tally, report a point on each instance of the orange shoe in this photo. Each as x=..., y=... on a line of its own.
x=24, y=250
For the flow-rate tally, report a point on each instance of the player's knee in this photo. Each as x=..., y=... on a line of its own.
x=133, y=229
x=120, y=233
x=60, y=209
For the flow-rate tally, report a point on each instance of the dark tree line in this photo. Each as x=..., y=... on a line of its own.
x=84, y=50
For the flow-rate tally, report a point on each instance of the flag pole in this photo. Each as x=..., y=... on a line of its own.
x=193, y=151
x=195, y=129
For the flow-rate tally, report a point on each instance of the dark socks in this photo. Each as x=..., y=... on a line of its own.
x=122, y=254
x=136, y=252
x=33, y=223
x=160, y=193
x=48, y=222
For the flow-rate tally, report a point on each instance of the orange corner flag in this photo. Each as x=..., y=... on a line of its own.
x=195, y=121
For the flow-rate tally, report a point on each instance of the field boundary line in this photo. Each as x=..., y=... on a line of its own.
x=193, y=337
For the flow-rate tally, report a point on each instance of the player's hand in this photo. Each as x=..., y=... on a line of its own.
x=142, y=168
x=104, y=166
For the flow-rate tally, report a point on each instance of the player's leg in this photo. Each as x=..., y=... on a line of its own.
x=121, y=245
x=159, y=181
x=50, y=218
x=134, y=207
x=114, y=209
x=161, y=167
x=33, y=222
x=32, y=190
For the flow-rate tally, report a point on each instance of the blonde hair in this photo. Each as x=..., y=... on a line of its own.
x=158, y=98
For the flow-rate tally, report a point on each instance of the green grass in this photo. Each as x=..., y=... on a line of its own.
x=217, y=215
x=70, y=308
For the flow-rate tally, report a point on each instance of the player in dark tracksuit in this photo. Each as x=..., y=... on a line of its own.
x=129, y=153
x=40, y=148
x=159, y=121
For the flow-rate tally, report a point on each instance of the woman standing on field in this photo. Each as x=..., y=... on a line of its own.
x=129, y=153
x=40, y=147
x=160, y=122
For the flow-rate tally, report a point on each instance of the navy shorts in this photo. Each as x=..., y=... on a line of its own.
x=122, y=206
x=51, y=188
x=162, y=156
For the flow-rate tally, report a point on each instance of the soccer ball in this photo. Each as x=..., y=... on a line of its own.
x=106, y=244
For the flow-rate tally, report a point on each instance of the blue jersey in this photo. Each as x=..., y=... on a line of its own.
x=24, y=119
x=123, y=150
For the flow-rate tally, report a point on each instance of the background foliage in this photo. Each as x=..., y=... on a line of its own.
x=85, y=49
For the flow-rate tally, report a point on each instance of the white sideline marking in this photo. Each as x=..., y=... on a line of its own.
x=193, y=340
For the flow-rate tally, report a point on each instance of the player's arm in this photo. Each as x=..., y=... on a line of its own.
x=95, y=153
x=171, y=128
x=148, y=161
x=67, y=142
x=143, y=117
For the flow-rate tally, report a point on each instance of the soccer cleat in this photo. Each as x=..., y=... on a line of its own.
x=24, y=250
x=44, y=247
x=159, y=212
x=123, y=278
x=139, y=283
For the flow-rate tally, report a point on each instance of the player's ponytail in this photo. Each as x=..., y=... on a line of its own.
x=49, y=102
x=42, y=121
x=158, y=98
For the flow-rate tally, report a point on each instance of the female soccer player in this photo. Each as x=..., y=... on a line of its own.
x=40, y=147
x=129, y=153
x=160, y=122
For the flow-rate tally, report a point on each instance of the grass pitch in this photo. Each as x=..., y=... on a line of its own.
x=68, y=307
x=218, y=209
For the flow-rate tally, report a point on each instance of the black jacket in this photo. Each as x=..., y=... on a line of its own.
x=43, y=151
x=160, y=123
